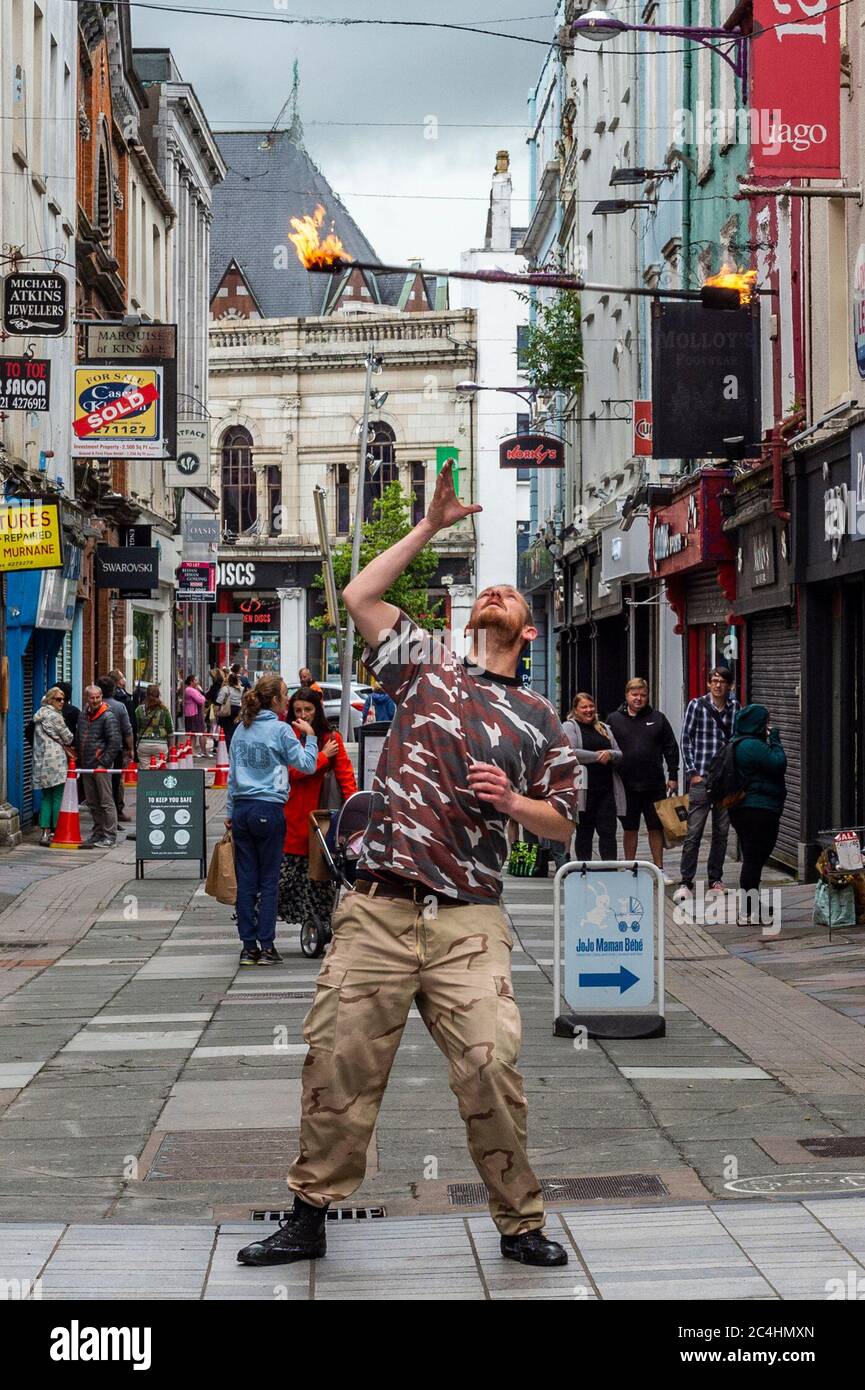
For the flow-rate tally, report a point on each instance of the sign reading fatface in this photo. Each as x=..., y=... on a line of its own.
x=795, y=57
x=35, y=304
x=30, y=535
x=705, y=381
x=532, y=451
x=117, y=412
x=191, y=468
x=24, y=383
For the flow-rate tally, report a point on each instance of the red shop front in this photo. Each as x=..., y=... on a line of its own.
x=696, y=559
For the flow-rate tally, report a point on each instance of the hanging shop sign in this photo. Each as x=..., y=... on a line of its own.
x=117, y=412
x=626, y=553
x=126, y=567
x=25, y=383
x=119, y=341
x=688, y=531
x=30, y=536
x=35, y=304
x=532, y=451
x=200, y=528
x=795, y=108
x=705, y=381
x=191, y=468
x=643, y=429
x=859, y=309
x=56, y=608
x=196, y=582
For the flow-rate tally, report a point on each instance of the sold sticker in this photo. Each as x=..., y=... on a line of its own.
x=118, y=412
x=131, y=401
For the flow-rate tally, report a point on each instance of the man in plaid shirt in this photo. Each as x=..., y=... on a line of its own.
x=707, y=726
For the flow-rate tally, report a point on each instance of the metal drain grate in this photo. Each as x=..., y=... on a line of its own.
x=614, y=1186
x=223, y=1155
x=334, y=1214
x=846, y=1146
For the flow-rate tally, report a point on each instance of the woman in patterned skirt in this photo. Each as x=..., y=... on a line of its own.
x=300, y=899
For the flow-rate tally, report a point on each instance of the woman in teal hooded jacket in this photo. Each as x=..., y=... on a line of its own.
x=761, y=763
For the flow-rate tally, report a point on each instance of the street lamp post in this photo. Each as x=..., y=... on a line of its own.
x=599, y=25
x=373, y=364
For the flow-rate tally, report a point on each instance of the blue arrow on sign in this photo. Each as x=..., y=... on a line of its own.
x=623, y=978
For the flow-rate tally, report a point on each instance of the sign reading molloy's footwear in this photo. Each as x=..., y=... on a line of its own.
x=169, y=816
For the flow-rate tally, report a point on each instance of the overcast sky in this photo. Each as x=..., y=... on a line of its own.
x=475, y=86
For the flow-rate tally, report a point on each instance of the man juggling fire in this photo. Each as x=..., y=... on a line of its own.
x=470, y=749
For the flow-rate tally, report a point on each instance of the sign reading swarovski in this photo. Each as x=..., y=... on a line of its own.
x=131, y=567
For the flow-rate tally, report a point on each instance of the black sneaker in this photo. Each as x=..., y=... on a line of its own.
x=268, y=955
x=249, y=955
x=533, y=1248
x=301, y=1236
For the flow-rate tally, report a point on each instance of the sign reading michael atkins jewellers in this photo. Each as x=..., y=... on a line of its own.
x=35, y=304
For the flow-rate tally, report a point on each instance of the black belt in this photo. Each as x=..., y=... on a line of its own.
x=419, y=893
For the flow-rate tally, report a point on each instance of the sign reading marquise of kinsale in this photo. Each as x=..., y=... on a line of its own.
x=532, y=451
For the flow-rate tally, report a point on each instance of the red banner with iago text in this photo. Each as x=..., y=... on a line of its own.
x=795, y=64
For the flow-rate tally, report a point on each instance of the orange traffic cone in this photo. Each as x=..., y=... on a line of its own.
x=130, y=775
x=153, y=762
x=172, y=756
x=220, y=772
x=68, y=832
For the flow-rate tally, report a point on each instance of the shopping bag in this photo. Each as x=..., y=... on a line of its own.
x=673, y=815
x=833, y=906
x=318, y=870
x=221, y=882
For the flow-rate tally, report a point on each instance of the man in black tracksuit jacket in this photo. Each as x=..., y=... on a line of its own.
x=647, y=743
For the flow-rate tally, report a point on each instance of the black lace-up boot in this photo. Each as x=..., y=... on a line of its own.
x=533, y=1248
x=300, y=1237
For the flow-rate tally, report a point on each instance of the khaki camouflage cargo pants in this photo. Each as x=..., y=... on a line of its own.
x=456, y=967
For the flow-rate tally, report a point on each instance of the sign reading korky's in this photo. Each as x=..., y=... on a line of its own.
x=532, y=451
x=688, y=531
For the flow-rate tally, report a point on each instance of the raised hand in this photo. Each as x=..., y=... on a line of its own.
x=445, y=508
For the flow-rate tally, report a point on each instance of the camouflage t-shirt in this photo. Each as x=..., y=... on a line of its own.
x=426, y=823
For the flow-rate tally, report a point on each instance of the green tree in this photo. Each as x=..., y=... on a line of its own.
x=552, y=355
x=391, y=521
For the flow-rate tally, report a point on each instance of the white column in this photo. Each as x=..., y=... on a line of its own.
x=292, y=634
x=462, y=600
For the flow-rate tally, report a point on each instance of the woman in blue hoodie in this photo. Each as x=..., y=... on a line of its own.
x=262, y=750
x=761, y=763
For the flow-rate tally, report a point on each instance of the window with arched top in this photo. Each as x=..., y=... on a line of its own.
x=104, y=197
x=239, y=507
x=381, y=470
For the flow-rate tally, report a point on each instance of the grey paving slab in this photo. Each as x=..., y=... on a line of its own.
x=24, y=1249
x=232, y=1105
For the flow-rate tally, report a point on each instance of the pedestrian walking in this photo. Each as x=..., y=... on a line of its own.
x=228, y=706
x=603, y=798
x=154, y=726
x=242, y=675
x=301, y=899
x=707, y=726
x=760, y=763
x=378, y=707
x=647, y=743
x=193, y=711
x=470, y=750
x=127, y=750
x=307, y=680
x=51, y=738
x=99, y=740
x=262, y=751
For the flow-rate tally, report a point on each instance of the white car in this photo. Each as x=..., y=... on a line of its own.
x=331, y=692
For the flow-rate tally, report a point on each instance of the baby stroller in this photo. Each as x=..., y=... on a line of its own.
x=340, y=849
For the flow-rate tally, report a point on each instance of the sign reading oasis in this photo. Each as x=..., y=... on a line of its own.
x=532, y=451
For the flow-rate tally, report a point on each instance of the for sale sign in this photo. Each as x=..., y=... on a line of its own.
x=35, y=304
x=117, y=412
x=795, y=60
x=24, y=383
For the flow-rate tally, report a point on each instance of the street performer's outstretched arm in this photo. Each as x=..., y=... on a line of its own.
x=363, y=596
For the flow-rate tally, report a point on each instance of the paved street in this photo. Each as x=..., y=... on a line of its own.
x=150, y=1102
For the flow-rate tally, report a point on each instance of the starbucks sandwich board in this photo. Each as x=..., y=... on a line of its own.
x=169, y=816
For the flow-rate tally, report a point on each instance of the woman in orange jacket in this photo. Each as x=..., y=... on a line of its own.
x=301, y=900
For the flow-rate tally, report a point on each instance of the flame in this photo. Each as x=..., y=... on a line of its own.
x=312, y=252
x=729, y=278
